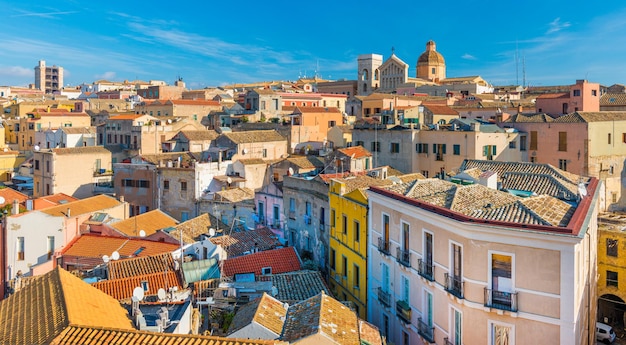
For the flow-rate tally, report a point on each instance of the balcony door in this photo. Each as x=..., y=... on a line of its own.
x=386, y=228
x=457, y=261
x=428, y=249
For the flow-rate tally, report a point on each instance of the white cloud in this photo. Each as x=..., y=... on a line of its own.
x=106, y=75
x=556, y=26
x=467, y=56
x=17, y=71
x=43, y=14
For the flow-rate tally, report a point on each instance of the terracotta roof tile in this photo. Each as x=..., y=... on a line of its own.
x=194, y=102
x=357, y=151
x=613, y=99
x=126, y=117
x=200, y=135
x=590, y=116
x=234, y=195
x=306, y=162
x=192, y=229
x=369, y=333
x=81, y=150
x=265, y=311
x=37, y=313
x=254, y=136
x=149, y=222
x=75, y=335
x=83, y=206
x=95, y=246
x=10, y=195
x=280, y=260
x=238, y=243
x=122, y=289
x=441, y=110
x=554, y=95
x=324, y=315
x=119, y=269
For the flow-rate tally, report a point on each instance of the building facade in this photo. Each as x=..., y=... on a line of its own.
x=48, y=78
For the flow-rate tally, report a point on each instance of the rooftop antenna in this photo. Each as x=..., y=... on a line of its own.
x=524, y=71
x=516, y=64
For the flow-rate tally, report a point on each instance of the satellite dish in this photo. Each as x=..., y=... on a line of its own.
x=105, y=258
x=142, y=233
x=2, y=200
x=169, y=121
x=138, y=293
x=229, y=180
x=290, y=171
x=244, y=151
x=211, y=232
x=161, y=294
x=115, y=255
x=36, y=147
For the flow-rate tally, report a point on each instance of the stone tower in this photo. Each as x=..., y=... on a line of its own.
x=368, y=79
x=431, y=65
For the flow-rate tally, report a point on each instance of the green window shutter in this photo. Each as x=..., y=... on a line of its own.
x=485, y=150
x=494, y=150
x=443, y=149
x=434, y=148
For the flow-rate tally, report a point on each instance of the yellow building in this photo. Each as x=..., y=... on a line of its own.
x=611, y=268
x=348, y=239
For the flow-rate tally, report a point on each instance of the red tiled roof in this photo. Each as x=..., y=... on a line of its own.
x=123, y=288
x=280, y=260
x=52, y=200
x=442, y=110
x=95, y=246
x=11, y=194
x=357, y=151
x=126, y=117
x=194, y=102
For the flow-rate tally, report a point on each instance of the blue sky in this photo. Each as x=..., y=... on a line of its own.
x=212, y=43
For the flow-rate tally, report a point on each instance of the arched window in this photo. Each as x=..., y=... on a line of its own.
x=376, y=75
x=365, y=75
x=364, y=87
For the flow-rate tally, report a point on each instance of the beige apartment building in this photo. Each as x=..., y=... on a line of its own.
x=40, y=119
x=48, y=78
x=467, y=263
x=75, y=171
x=194, y=109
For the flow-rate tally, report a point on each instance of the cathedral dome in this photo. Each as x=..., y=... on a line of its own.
x=431, y=55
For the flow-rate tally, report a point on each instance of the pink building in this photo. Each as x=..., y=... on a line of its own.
x=582, y=96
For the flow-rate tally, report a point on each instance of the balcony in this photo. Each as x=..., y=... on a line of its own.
x=403, y=257
x=403, y=310
x=426, y=270
x=383, y=246
x=427, y=332
x=501, y=300
x=384, y=297
x=454, y=285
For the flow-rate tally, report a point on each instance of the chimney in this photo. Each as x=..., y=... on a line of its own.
x=519, y=108
x=121, y=198
x=16, y=207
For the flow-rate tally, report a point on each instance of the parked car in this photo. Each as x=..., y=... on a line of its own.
x=604, y=333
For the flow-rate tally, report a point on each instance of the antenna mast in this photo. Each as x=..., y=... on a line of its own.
x=516, y=65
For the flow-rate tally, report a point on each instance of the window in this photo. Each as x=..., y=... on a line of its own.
x=512, y=144
x=145, y=286
x=613, y=197
x=611, y=247
x=433, y=70
x=500, y=334
x=457, y=334
x=356, y=277
x=624, y=137
x=563, y=164
x=332, y=217
x=425, y=173
x=439, y=150
x=183, y=185
x=490, y=151
x=522, y=143
x=128, y=182
x=166, y=184
x=456, y=150
x=611, y=278
x=576, y=93
x=386, y=227
x=421, y=148
x=333, y=255
x=562, y=141
x=344, y=223
x=292, y=205
x=594, y=92
x=405, y=338
x=144, y=184
x=406, y=230
x=395, y=148
x=36, y=164
x=357, y=231
x=20, y=248
x=344, y=265
x=360, y=143
x=375, y=146
x=533, y=140
x=332, y=123
x=264, y=153
x=406, y=289
x=609, y=137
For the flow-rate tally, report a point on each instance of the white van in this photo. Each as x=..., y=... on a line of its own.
x=604, y=333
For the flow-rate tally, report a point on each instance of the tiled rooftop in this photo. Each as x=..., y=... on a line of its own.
x=52, y=200
x=238, y=243
x=522, y=118
x=125, y=268
x=234, y=195
x=521, y=167
x=254, y=136
x=297, y=286
x=95, y=246
x=357, y=151
x=590, y=116
x=306, y=162
x=280, y=260
x=613, y=99
x=369, y=333
x=83, y=206
x=265, y=311
x=441, y=110
x=122, y=289
x=200, y=135
x=37, y=313
x=149, y=222
x=76, y=335
x=10, y=195
x=362, y=182
x=193, y=228
x=81, y=150
x=324, y=315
